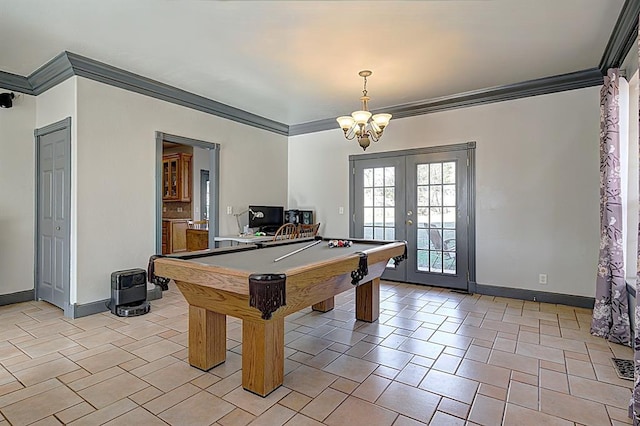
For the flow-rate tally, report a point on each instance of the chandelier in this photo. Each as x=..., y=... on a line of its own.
x=360, y=124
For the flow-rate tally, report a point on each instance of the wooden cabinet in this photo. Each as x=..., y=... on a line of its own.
x=197, y=239
x=174, y=236
x=176, y=177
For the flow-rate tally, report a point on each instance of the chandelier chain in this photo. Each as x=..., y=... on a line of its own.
x=361, y=124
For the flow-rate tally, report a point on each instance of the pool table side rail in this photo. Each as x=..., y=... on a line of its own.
x=302, y=290
x=236, y=280
x=202, y=274
x=205, y=287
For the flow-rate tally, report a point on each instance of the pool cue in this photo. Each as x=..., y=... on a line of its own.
x=299, y=250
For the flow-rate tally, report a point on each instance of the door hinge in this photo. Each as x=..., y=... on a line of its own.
x=353, y=171
x=353, y=218
x=467, y=162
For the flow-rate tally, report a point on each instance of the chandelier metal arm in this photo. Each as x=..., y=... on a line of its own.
x=361, y=124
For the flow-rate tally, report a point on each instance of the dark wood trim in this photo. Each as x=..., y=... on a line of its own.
x=68, y=64
x=15, y=82
x=104, y=73
x=416, y=151
x=87, y=309
x=541, y=86
x=17, y=297
x=536, y=296
x=623, y=37
x=51, y=74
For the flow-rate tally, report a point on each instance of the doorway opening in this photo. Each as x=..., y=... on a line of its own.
x=182, y=203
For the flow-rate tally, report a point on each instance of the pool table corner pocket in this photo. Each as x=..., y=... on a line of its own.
x=267, y=292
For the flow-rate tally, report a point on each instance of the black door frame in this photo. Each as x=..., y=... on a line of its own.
x=65, y=125
x=470, y=147
x=214, y=176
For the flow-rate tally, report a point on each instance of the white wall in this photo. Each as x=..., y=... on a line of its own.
x=17, y=198
x=116, y=176
x=54, y=105
x=537, y=177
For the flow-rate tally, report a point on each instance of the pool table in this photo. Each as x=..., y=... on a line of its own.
x=245, y=282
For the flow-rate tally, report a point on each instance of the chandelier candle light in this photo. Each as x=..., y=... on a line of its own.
x=361, y=124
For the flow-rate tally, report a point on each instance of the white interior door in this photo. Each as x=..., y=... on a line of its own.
x=53, y=221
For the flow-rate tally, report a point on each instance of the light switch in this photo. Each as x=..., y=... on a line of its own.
x=340, y=210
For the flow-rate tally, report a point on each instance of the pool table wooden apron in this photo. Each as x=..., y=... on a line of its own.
x=214, y=291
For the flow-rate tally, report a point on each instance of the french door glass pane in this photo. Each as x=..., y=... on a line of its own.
x=368, y=178
x=423, y=196
x=378, y=177
x=389, y=217
x=389, y=176
x=378, y=218
x=436, y=217
x=423, y=217
x=422, y=174
x=449, y=195
x=389, y=197
x=368, y=216
x=435, y=173
x=368, y=233
x=449, y=217
x=423, y=239
x=368, y=197
x=378, y=197
x=379, y=203
x=389, y=233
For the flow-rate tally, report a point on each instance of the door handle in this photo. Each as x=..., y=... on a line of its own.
x=57, y=228
x=409, y=222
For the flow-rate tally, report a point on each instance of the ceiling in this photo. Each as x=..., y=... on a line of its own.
x=298, y=61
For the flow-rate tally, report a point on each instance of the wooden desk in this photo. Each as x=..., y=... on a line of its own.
x=244, y=239
x=245, y=282
x=197, y=239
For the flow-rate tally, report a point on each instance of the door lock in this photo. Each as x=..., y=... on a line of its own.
x=409, y=212
x=57, y=228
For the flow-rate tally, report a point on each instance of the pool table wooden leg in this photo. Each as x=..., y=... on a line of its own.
x=368, y=301
x=262, y=355
x=207, y=338
x=324, y=306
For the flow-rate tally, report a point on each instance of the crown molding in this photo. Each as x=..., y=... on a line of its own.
x=68, y=64
x=15, y=82
x=51, y=74
x=623, y=36
x=104, y=73
x=542, y=86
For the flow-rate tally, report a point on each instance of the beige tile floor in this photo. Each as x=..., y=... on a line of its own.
x=434, y=357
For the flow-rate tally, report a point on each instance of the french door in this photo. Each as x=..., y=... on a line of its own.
x=422, y=197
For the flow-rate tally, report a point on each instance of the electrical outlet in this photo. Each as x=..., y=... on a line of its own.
x=542, y=278
x=229, y=210
x=341, y=210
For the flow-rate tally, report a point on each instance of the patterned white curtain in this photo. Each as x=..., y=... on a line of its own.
x=634, y=409
x=611, y=310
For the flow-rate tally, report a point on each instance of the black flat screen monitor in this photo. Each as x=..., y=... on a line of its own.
x=266, y=218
